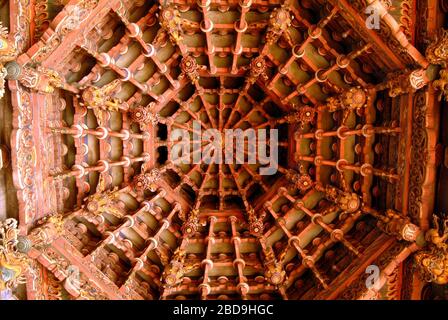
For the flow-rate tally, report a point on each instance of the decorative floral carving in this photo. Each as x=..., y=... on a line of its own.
x=42, y=236
x=357, y=289
x=304, y=114
x=41, y=18
x=40, y=79
x=144, y=116
x=419, y=155
x=8, y=50
x=418, y=79
x=386, y=33
x=22, y=24
x=80, y=287
x=190, y=68
x=257, y=69
x=54, y=288
x=88, y=291
x=354, y=98
x=349, y=100
x=25, y=153
x=147, y=181
x=433, y=235
x=403, y=82
x=105, y=202
x=303, y=182
x=398, y=85
x=441, y=84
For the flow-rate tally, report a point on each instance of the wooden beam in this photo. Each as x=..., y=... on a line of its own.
x=358, y=23
x=56, y=43
x=355, y=270
x=91, y=272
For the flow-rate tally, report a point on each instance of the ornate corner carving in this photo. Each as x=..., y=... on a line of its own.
x=432, y=262
x=13, y=259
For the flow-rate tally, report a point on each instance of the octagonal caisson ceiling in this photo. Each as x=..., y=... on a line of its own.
x=252, y=149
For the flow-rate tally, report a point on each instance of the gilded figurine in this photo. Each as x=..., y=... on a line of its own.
x=274, y=271
x=437, y=51
x=279, y=22
x=441, y=84
x=191, y=226
x=172, y=23
x=433, y=261
x=100, y=100
x=302, y=182
x=256, y=225
x=190, y=69
x=104, y=201
x=176, y=270
x=257, y=69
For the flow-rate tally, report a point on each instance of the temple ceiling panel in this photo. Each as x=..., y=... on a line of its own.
x=251, y=149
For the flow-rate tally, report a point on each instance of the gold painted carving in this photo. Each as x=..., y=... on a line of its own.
x=256, y=226
x=100, y=100
x=191, y=226
x=433, y=261
x=105, y=202
x=178, y=267
x=441, y=84
x=279, y=22
x=437, y=51
x=13, y=261
x=274, y=271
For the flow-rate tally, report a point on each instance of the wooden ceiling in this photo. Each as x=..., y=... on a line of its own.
x=119, y=78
